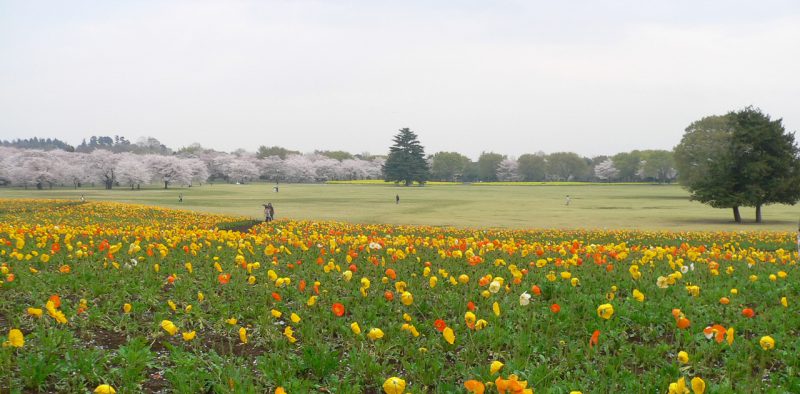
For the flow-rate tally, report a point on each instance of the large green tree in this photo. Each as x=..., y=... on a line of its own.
x=448, y=166
x=657, y=165
x=532, y=168
x=705, y=164
x=627, y=165
x=741, y=159
x=406, y=161
x=766, y=160
x=567, y=166
x=487, y=166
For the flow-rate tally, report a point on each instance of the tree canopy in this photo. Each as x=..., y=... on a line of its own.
x=406, y=161
x=740, y=159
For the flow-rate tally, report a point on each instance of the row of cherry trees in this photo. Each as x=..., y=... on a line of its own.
x=45, y=169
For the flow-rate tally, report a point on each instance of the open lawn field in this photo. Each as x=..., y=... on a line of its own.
x=597, y=206
x=109, y=297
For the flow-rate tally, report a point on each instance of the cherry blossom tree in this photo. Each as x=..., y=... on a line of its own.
x=606, y=170
x=508, y=170
x=169, y=169
x=132, y=171
x=102, y=164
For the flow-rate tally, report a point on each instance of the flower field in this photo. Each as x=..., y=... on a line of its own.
x=108, y=297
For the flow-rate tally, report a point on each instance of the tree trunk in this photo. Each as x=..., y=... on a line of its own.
x=758, y=213
x=736, y=216
x=165, y=184
x=109, y=183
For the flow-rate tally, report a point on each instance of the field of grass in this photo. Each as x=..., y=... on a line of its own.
x=595, y=206
x=148, y=299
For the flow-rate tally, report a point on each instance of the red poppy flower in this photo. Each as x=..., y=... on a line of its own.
x=555, y=308
x=224, y=278
x=748, y=313
x=338, y=309
x=276, y=296
x=353, y=268
x=594, y=339
x=471, y=306
x=440, y=325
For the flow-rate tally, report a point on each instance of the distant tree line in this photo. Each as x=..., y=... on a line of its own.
x=634, y=166
x=276, y=163
x=38, y=143
x=34, y=168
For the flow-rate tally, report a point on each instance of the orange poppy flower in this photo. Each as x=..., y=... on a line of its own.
x=748, y=313
x=471, y=306
x=223, y=278
x=683, y=323
x=388, y=295
x=536, y=290
x=594, y=339
x=440, y=325
x=391, y=274
x=338, y=309
x=555, y=308
x=716, y=331
x=56, y=300
x=474, y=386
x=276, y=296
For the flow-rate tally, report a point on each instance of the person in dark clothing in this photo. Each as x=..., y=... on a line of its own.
x=269, y=212
x=397, y=199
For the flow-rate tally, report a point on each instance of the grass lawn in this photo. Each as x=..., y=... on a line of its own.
x=663, y=207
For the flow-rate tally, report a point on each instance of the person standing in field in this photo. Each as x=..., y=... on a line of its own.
x=566, y=202
x=180, y=197
x=267, y=212
x=397, y=199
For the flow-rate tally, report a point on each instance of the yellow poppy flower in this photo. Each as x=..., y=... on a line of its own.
x=449, y=335
x=169, y=327
x=394, y=385
x=495, y=367
x=375, y=334
x=698, y=385
x=767, y=343
x=105, y=389
x=605, y=311
x=188, y=336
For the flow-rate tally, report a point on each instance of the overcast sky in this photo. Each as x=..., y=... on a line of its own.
x=592, y=77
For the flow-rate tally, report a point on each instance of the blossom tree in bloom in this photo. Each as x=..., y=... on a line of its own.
x=131, y=171
x=169, y=169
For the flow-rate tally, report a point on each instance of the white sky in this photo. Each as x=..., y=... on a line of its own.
x=592, y=77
